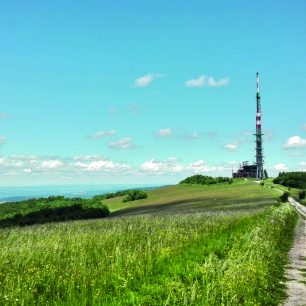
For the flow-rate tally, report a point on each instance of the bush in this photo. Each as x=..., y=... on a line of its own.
x=134, y=195
x=302, y=194
x=284, y=197
x=205, y=180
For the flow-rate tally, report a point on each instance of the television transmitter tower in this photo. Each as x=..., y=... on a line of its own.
x=259, y=157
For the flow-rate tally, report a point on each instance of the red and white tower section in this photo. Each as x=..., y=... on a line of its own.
x=258, y=135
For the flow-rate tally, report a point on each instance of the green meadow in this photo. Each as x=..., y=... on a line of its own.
x=223, y=244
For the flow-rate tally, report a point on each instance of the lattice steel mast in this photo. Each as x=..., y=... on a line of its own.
x=258, y=135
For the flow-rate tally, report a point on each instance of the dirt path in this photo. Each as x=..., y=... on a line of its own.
x=296, y=270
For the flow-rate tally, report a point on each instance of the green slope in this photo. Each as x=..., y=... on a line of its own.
x=231, y=252
x=179, y=198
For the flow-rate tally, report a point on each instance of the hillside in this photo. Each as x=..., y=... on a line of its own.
x=183, y=245
x=190, y=198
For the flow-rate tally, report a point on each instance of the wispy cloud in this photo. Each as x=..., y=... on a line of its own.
x=187, y=135
x=122, y=144
x=44, y=165
x=304, y=127
x=147, y=79
x=52, y=164
x=3, y=115
x=3, y=139
x=170, y=165
x=206, y=81
x=231, y=147
x=102, y=134
x=193, y=135
x=201, y=167
x=302, y=166
x=269, y=135
x=101, y=165
x=280, y=167
x=294, y=142
x=239, y=139
x=166, y=132
x=173, y=166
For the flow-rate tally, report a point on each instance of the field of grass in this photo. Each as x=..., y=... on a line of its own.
x=181, y=198
x=230, y=249
x=294, y=192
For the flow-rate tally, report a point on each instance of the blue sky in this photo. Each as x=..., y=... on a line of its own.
x=148, y=91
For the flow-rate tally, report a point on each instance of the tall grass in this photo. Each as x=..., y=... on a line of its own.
x=229, y=258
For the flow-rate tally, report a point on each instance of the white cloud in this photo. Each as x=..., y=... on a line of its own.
x=211, y=82
x=101, y=165
x=152, y=165
x=231, y=147
x=295, y=142
x=51, y=164
x=206, y=81
x=198, y=164
x=201, y=167
x=198, y=82
x=171, y=165
x=3, y=139
x=304, y=127
x=146, y=80
x=102, y=134
x=43, y=166
x=280, y=167
x=233, y=163
x=164, y=132
x=122, y=144
x=302, y=166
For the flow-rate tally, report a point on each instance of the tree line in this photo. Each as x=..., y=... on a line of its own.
x=206, y=180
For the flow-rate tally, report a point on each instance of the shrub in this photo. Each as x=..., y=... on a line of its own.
x=205, y=180
x=284, y=197
x=134, y=195
x=302, y=194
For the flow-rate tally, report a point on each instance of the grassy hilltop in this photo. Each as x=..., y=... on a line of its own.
x=192, y=198
x=183, y=245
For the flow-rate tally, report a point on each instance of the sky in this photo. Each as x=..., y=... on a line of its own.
x=148, y=92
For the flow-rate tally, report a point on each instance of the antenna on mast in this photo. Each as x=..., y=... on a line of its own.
x=258, y=135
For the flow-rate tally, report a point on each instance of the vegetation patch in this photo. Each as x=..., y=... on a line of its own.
x=224, y=258
x=291, y=179
x=134, y=195
x=284, y=197
x=51, y=209
x=206, y=180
